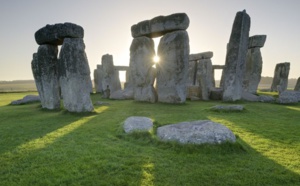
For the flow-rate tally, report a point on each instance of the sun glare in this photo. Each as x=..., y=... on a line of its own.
x=156, y=59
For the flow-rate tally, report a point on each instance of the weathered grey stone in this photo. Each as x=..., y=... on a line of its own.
x=26, y=99
x=257, y=41
x=141, y=68
x=74, y=72
x=55, y=34
x=249, y=97
x=172, y=71
x=297, y=86
x=137, y=123
x=236, y=58
x=111, y=78
x=289, y=97
x=281, y=75
x=196, y=132
x=204, y=76
x=216, y=94
x=193, y=91
x=253, y=70
x=202, y=55
x=160, y=25
x=100, y=103
x=266, y=99
x=228, y=108
x=44, y=68
x=122, y=94
x=192, y=73
x=98, y=78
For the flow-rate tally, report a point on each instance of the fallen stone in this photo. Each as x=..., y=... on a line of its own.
x=26, y=99
x=55, y=34
x=257, y=41
x=289, y=97
x=172, y=73
x=266, y=99
x=74, y=76
x=228, y=108
x=297, y=86
x=232, y=78
x=160, y=25
x=122, y=94
x=44, y=69
x=202, y=55
x=137, y=123
x=100, y=103
x=196, y=132
x=249, y=97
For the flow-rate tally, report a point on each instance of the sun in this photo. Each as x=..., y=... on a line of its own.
x=156, y=59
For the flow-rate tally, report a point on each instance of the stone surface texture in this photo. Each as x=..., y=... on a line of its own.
x=98, y=78
x=196, y=132
x=257, y=41
x=204, y=77
x=289, y=97
x=122, y=94
x=55, y=34
x=266, y=99
x=26, y=99
x=236, y=58
x=192, y=71
x=74, y=75
x=172, y=71
x=44, y=68
x=160, y=25
x=281, y=75
x=141, y=69
x=249, y=97
x=297, y=86
x=228, y=108
x=137, y=123
x=253, y=70
x=216, y=93
x=111, y=78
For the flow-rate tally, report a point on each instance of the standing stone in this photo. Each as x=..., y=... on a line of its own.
x=297, y=86
x=254, y=64
x=98, y=77
x=74, y=74
x=172, y=70
x=141, y=69
x=281, y=75
x=44, y=68
x=192, y=73
x=204, y=76
x=236, y=58
x=111, y=78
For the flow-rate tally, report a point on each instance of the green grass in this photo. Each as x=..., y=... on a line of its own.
x=40, y=147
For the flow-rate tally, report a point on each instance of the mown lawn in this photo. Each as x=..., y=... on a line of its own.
x=40, y=147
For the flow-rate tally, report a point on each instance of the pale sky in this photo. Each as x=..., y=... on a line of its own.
x=107, y=28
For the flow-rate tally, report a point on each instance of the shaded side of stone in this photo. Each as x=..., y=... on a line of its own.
x=74, y=74
x=141, y=69
x=202, y=55
x=26, y=99
x=98, y=78
x=192, y=72
x=236, y=58
x=44, y=68
x=55, y=34
x=297, y=86
x=257, y=41
x=205, y=77
x=172, y=71
x=280, y=79
x=160, y=25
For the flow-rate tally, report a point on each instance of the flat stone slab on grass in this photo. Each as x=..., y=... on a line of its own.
x=228, y=108
x=196, y=132
x=137, y=123
x=289, y=97
x=26, y=99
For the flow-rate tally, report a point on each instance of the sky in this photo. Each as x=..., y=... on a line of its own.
x=107, y=26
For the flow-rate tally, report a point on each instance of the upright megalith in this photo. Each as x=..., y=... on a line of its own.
x=236, y=58
x=281, y=76
x=254, y=64
x=74, y=76
x=98, y=77
x=141, y=69
x=44, y=68
x=297, y=86
x=172, y=70
x=160, y=25
x=111, y=78
x=205, y=78
x=55, y=34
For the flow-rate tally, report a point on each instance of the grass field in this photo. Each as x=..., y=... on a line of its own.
x=40, y=147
